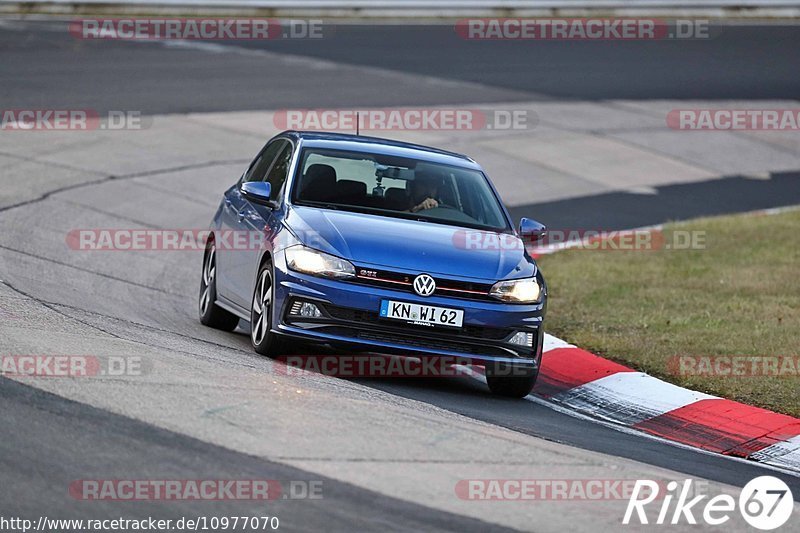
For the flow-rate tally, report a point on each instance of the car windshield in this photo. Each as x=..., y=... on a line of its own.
x=397, y=187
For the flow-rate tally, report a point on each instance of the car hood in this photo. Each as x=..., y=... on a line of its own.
x=411, y=245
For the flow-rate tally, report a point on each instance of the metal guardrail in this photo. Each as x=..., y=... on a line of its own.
x=438, y=7
x=451, y=4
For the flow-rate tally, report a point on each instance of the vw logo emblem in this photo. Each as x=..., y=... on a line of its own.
x=424, y=285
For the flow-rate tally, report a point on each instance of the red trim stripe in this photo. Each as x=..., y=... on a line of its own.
x=723, y=426
x=567, y=368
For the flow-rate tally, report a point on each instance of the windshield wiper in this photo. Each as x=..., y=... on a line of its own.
x=313, y=203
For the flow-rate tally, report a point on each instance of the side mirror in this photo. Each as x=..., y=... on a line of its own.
x=258, y=192
x=530, y=230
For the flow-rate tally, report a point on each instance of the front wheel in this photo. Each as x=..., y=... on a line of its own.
x=264, y=341
x=512, y=381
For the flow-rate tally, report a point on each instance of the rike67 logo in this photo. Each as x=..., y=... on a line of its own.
x=765, y=503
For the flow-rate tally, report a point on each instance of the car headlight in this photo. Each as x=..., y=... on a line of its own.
x=522, y=291
x=315, y=263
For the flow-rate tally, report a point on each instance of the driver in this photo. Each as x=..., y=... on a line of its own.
x=424, y=190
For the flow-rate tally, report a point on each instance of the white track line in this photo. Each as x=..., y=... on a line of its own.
x=628, y=397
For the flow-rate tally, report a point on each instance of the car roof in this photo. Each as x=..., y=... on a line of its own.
x=362, y=143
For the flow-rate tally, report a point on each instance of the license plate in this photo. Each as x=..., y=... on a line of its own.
x=425, y=315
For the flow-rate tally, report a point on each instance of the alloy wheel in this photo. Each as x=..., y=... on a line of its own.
x=261, y=304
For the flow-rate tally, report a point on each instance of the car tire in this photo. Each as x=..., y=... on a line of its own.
x=262, y=338
x=211, y=314
x=510, y=380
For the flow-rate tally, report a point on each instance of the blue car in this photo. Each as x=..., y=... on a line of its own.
x=378, y=246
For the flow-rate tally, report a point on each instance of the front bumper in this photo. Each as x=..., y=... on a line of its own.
x=350, y=319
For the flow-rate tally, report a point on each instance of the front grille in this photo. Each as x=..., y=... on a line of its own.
x=434, y=344
x=366, y=325
x=366, y=317
x=404, y=282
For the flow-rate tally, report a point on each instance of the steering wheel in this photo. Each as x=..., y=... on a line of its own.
x=447, y=206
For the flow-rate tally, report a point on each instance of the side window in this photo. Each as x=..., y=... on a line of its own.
x=259, y=167
x=280, y=170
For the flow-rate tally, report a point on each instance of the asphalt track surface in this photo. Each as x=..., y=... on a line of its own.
x=623, y=210
x=56, y=441
x=49, y=440
x=737, y=63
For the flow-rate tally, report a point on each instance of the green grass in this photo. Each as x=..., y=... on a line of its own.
x=740, y=295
